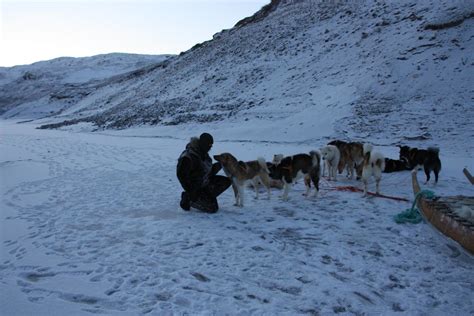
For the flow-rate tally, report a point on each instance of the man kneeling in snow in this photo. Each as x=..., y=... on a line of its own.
x=197, y=175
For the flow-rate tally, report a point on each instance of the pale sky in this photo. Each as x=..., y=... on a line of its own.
x=34, y=30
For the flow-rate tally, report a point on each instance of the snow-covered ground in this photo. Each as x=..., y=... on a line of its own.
x=90, y=224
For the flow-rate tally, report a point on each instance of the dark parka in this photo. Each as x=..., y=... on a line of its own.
x=194, y=168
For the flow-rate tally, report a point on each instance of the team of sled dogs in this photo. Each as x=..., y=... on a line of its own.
x=356, y=158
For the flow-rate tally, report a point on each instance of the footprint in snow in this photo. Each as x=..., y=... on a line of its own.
x=200, y=277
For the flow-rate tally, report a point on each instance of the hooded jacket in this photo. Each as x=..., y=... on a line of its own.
x=194, y=167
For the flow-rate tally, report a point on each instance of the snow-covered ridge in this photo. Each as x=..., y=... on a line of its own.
x=48, y=87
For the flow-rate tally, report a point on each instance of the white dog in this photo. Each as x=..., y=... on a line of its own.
x=374, y=164
x=331, y=156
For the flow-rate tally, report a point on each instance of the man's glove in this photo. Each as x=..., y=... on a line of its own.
x=216, y=167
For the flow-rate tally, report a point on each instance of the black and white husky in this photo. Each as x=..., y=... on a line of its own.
x=292, y=168
x=426, y=158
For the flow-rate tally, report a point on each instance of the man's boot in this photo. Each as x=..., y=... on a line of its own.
x=185, y=201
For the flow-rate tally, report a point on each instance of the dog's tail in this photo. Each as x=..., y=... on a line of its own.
x=316, y=157
x=367, y=148
x=378, y=160
x=263, y=164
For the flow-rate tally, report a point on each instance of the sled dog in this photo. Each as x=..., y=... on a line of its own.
x=426, y=158
x=241, y=172
x=392, y=165
x=374, y=163
x=292, y=168
x=352, y=157
x=331, y=156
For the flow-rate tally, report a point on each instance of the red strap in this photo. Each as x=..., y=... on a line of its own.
x=355, y=189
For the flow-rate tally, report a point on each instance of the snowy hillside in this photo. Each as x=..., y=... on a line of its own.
x=347, y=69
x=49, y=87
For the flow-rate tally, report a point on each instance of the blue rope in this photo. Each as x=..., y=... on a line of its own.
x=413, y=215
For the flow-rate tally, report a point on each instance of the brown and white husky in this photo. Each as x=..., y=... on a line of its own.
x=241, y=172
x=352, y=157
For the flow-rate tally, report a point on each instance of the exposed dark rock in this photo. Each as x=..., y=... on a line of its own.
x=261, y=14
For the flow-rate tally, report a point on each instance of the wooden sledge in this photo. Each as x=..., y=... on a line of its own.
x=468, y=175
x=440, y=212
